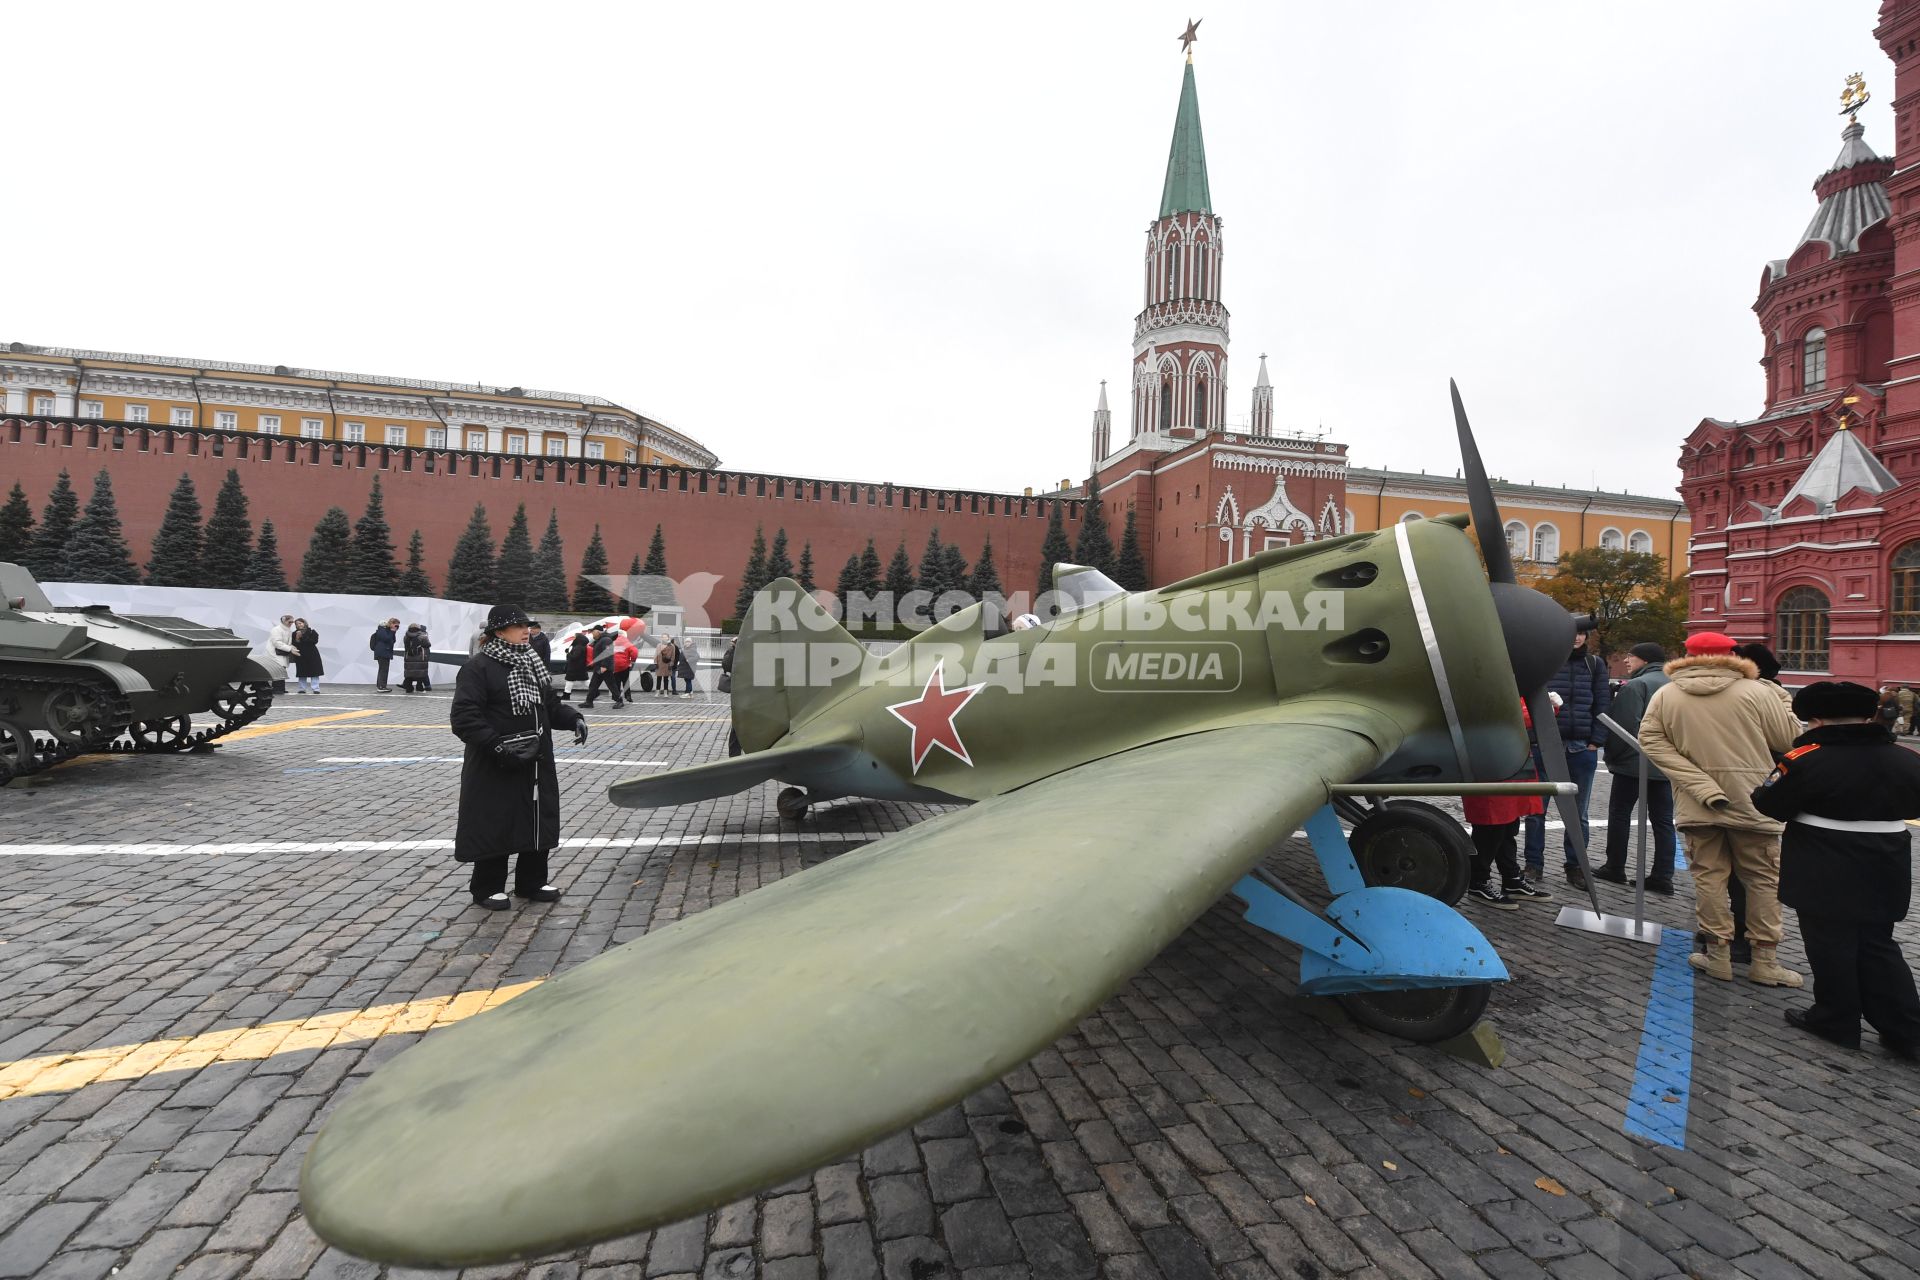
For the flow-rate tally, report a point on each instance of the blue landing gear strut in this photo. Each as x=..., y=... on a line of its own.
x=1400, y=962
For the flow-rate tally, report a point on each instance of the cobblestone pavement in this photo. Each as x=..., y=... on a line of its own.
x=1205, y=1121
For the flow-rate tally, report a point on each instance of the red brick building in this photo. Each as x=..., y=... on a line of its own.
x=1806, y=519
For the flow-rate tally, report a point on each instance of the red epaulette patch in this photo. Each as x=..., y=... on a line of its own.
x=1797, y=752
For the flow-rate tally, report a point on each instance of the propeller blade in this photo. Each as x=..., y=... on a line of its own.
x=1488, y=527
x=1553, y=754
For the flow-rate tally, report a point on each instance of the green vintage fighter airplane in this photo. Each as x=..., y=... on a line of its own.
x=1127, y=765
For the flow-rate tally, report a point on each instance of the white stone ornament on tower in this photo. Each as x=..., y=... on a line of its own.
x=1102, y=428
x=1263, y=401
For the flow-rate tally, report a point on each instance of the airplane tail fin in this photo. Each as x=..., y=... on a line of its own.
x=793, y=659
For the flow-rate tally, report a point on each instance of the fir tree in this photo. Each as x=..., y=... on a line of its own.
x=226, y=552
x=515, y=571
x=656, y=565
x=328, y=565
x=57, y=519
x=806, y=567
x=470, y=574
x=986, y=575
x=871, y=574
x=932, y=578
x=370, y=569
x=954, y=567
x=1055, y=549
x=754, y=576
x=1095, y=546
x=589, y=596
x=175, y=561
x=1130, y=567
x=549, y=590
x=851, y=583
x=779, y=562
x=264, y=570
x=414, y=581
x=899, y=579
x=96, y=551
x=16, y=526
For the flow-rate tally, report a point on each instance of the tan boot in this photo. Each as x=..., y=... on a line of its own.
x=1716, y=963
x=1767, y=970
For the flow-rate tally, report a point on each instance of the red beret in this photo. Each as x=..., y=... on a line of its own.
x=1709, y=642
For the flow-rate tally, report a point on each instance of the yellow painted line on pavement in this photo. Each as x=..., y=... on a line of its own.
x=262, y=730
x=62, y=1072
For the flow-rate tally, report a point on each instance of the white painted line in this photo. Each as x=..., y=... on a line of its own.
x=637, y=764
x=429, y=845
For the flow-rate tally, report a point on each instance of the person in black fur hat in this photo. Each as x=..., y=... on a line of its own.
x=1845, y=791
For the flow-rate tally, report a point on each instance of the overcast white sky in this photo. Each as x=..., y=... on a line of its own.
x=902, y=242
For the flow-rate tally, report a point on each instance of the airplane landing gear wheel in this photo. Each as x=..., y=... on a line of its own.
x=792, y=804
x=1409, y=845
x=1424, y=1015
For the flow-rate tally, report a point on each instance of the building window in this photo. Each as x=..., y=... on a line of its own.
x=1200, y=402
x=180, y=417
x=269, y=424
x=1173, y=271
x=227, y=421
x=595, y=449
x=136, y=413
x=1747, y=461
x=1780, y=451
x=631, y=455
x=1546, y=543
x=396, y=434
x=92, y=409
x=1906, y=590
x=43, y=405
x=436, y=437
x=556, y=446
x=1813, y=361
x=313, y=428
x=355, y=432
x=516, y=444
x=1612, y=540
x=1800, y=630
x=476, y=440
x=1641, y=541
x=1166, y=404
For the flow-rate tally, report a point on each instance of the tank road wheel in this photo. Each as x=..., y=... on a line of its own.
x=792, y=804
x=17, y=755
x=1424, y=1015
x=76, y=717
x=1410, y=845
x=237, y=703
x=170, y=734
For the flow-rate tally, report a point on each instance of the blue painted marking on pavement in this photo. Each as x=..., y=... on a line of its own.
x=1663, y=1075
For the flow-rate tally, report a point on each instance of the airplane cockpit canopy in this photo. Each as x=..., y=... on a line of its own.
x=1080, y=586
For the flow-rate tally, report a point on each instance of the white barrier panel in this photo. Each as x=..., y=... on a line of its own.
x=345, y=623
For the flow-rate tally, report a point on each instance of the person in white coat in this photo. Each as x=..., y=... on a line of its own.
x=280, y=650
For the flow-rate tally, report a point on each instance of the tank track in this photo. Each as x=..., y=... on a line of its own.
x=45, y=751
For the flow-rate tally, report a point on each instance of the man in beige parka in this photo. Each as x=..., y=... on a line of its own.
x=1715, y=731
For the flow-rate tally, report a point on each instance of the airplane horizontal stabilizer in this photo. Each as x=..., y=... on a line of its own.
x=725, y=777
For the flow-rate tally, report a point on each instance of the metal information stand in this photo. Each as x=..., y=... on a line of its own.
x=1638, y=929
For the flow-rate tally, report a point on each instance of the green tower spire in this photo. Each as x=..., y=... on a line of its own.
x=1186, y=189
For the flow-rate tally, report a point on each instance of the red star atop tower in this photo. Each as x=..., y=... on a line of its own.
x=930, y=716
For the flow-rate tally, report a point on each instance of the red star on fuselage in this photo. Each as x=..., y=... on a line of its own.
x=930, y=716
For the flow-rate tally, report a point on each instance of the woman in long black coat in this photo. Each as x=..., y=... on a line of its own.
x=417, y=649
x=508, y=807
x=306, y=656
x=576, y=663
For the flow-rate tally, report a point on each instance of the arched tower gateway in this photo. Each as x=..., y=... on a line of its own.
x=1180, y=337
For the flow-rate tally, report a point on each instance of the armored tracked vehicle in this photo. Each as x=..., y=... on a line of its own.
x=87, y=679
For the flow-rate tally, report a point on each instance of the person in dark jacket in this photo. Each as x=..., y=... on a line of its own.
x=577, y=661
x=1845, y=791
x=381, y=642
x=306, y=657
x=685, y=663
x=1585, y=695
x=504, y=706
x=415, y=651
x=1644, y=679
x=542, y=643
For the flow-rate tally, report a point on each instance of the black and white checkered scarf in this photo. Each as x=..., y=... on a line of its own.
x=526, y=674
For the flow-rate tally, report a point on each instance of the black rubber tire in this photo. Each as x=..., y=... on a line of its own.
x=1406, y=844
x=1423, y=1015
x=792, y=804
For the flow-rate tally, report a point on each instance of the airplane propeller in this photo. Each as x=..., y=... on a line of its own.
x=1539, y=632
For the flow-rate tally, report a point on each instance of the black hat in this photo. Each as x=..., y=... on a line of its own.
x=1649, y=652
x=1760, y=656
x=1836, y=700
x=506, y=615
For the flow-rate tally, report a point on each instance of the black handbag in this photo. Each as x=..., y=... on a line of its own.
x=519, y=748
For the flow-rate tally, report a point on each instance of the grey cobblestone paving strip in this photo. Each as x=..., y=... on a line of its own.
x=1204, y=1122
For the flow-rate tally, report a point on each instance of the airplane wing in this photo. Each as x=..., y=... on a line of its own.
x=724, y=777
x=750, y=1043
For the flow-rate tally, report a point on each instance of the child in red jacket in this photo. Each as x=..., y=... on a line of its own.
x=1496, y=827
